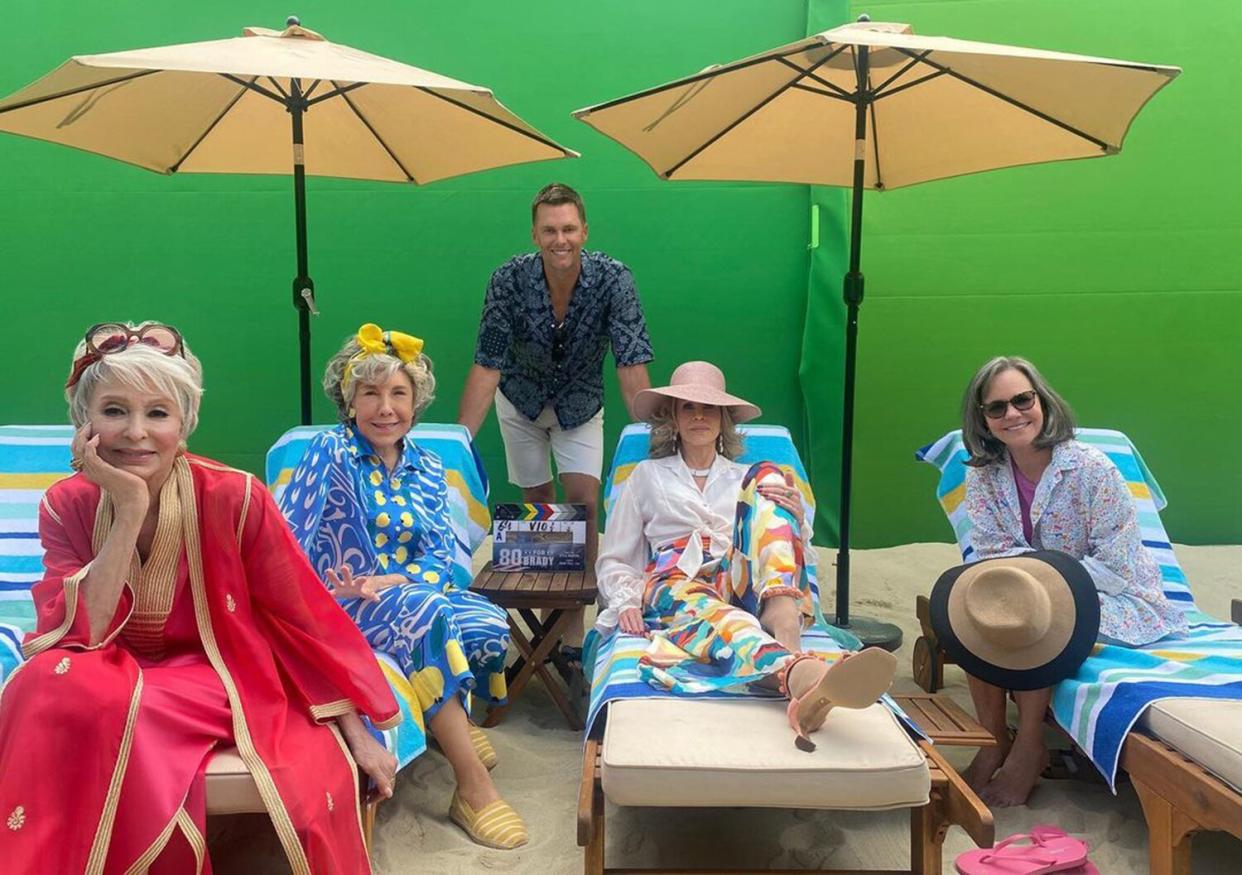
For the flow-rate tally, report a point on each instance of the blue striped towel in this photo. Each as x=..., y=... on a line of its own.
x=1100, y=704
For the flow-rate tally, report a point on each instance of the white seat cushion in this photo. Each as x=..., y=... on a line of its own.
x=714, y=753
x=1208, y=731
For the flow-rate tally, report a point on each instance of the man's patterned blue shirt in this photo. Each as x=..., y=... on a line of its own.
x=541, y=363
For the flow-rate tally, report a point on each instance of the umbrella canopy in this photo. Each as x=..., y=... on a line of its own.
x=872, y=105
x=275, y=102
x=220, y=107
x=937, y=107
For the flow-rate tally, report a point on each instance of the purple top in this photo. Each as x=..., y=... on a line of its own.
x=1026, y=495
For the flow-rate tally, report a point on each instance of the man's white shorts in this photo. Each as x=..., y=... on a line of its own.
x=577, y=450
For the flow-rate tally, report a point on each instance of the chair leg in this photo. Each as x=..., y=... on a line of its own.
x=368, y=822
x=593, y=854
x=1169, y=833
x=928, y=666
x=927, y=830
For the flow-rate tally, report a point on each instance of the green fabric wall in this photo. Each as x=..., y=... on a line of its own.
x=1121, y=278
x=86, y=238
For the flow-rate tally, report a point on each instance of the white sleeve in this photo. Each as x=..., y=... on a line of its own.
x=619, y=570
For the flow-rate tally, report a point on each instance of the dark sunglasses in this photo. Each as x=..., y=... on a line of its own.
x=559, y=339
x=1021, y=401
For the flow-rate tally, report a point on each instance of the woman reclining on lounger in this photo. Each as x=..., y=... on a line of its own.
x=1031, y=486
x=712, y=552
x=176, y=614
x=370, y=508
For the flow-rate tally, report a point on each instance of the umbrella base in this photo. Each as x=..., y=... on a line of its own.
x=874, y=633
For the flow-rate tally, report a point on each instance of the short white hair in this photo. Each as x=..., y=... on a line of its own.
x=375, y=370
x=145, y=369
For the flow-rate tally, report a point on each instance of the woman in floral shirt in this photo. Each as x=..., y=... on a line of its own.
x=1031, y=486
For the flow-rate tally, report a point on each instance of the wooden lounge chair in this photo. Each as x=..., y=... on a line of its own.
x=671, y=752
x=1184, y=755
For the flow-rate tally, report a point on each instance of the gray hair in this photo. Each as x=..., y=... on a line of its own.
x=665, y=439
x=375, y=370
x=983, y=447
x=144, y=369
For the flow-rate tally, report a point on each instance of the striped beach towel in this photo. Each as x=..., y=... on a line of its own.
x=1101, y=703
x=613, y=661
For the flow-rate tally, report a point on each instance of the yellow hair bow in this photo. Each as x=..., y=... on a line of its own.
x=375, y=341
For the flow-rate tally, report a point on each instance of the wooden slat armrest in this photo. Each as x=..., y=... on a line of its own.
x=961, y=805
x=586, y=791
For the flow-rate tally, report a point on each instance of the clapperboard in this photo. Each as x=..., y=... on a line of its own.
x=539, y=537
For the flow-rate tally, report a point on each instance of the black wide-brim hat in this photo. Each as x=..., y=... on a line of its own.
x=1018, y=622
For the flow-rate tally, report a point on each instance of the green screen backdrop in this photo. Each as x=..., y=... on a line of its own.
x=1120, y=277
x=720, y=268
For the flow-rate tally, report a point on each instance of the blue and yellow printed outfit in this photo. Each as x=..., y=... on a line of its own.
x=346, y=508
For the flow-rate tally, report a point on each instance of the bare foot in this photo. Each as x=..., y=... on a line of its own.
x=984, y=766
x=1016, y=778
x=476, y=787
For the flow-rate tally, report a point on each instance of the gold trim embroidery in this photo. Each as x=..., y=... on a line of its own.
x=331, y=804
x=320, y=713
x=156, y=579
x=17, y=818
x=229, y=603
x=149, y=856
x=103, y=833
x=245, y=509
x=62, y=667
x=353, y=770
x=199, y=844
x=285, y=830
x=51, y=511
x=35, y=646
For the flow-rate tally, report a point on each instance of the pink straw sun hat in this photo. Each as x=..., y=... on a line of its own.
x=695, y=381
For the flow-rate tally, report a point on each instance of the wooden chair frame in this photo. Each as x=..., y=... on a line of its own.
x=1179, y=797
x=951, y=802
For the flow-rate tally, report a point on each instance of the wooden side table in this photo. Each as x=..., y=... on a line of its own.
x=525, y=592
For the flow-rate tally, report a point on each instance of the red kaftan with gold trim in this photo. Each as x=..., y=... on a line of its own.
x=102, y=749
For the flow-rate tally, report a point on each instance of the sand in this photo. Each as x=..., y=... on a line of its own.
x=540, y=768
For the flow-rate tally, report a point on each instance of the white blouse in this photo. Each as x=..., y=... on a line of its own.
x=659, y=504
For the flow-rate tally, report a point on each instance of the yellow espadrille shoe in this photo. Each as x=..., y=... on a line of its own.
x=483, y=748
x=495, y=825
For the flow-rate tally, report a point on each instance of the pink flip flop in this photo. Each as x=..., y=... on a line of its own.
x=1046, y=849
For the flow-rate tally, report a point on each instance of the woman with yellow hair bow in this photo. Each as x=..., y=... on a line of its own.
x=370, y=508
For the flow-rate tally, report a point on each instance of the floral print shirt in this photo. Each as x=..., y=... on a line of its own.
x=1082, y=507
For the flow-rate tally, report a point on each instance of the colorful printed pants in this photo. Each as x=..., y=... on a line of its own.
x=709, y=636
x=448, y=641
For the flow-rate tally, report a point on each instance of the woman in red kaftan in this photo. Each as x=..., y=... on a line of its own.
x=177, y=614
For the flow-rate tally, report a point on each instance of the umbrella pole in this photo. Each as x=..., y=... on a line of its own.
x=303, y=286
x=870, y=632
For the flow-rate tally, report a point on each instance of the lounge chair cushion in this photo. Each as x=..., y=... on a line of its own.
x=715, y=753
x=233, y=790
x=1207, y=731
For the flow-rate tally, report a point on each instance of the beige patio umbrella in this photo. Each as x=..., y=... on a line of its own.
x=872, y=105
x=274, y=102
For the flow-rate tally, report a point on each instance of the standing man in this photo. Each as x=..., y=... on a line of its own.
x=548, y=318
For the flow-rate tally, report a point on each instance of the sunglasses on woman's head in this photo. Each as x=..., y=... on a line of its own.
x=1021, y=401
x=106, y=338
x=110, y=337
